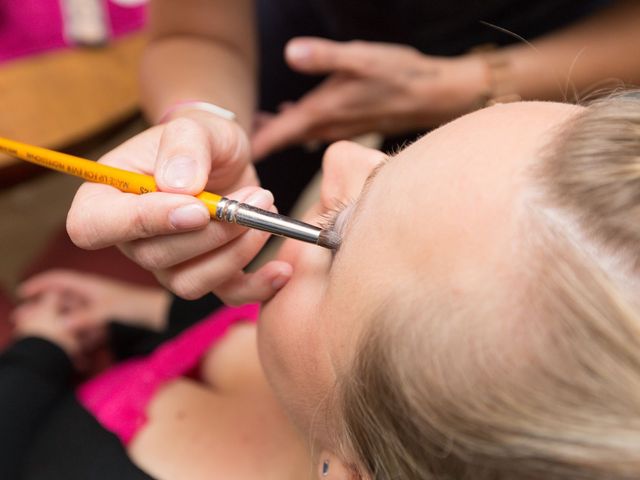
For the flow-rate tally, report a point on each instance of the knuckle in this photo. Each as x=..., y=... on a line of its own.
x=182, y=125
x=233, y=300
x=315, y=108
x=247, y=248
x=230, y=144
x=367, y=64
x=410, y=50
x=149, y=255
x=240, y=257
x=143, y=224
x=234, y=292
x=330, y=133
x=185, y=285
x=356, y=44
x=218, y=235
x=229, y=296
x=79, y=231
x=183, y=135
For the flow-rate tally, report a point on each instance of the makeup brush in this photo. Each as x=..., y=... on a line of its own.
x=221, y=208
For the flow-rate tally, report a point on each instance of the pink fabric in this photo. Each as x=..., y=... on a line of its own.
x=125, y=19
x=32, y=26
x=118, y=397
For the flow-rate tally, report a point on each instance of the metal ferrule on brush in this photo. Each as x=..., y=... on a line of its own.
x=231, y=211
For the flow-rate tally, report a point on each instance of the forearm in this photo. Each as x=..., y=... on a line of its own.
x=150, y=309
x=200, y=50
x=594, y=53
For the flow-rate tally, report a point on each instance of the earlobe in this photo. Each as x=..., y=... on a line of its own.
x=331, y=467
x=325, y=467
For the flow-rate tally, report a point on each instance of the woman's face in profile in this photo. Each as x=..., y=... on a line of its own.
x=441, y=218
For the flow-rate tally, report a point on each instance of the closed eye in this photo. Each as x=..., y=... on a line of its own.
x=338, y=218
x=334, y=220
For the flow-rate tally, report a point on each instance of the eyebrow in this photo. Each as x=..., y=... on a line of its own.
x=372, y=175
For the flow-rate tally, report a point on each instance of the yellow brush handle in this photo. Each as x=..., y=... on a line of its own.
x=123, y=180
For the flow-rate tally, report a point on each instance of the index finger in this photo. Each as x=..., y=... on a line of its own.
x=55, y=280
x=287, y=128
x=313, y=55
x=125, y=216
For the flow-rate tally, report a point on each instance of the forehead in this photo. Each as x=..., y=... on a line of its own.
x=444, y=214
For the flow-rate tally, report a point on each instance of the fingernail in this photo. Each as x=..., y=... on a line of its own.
x=260, y=198
x=180, y=172
x=189, y=216
x=299, y=52
x=280, y=281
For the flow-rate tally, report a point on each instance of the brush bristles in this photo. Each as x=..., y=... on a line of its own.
x=329, y=239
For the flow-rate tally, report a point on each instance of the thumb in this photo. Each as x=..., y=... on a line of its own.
x=183, y=160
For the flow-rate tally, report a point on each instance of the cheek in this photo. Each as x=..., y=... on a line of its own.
x=291, y=348
x=286, y=327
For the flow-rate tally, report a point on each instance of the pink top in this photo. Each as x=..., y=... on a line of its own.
x=119, y=396
x=28, y=27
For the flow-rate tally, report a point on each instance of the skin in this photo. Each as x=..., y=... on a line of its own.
x=371, y=87
x=45, y=318
x=473, y=202
x=391, y=89
x=457, y=194
x=91, y=300
x=205, y=50
x=190, y=255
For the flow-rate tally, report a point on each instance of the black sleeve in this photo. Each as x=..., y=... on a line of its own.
x=128, y=341
x=185, y=313
x=34, y=373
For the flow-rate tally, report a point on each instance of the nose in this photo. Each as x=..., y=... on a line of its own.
x=345, y=167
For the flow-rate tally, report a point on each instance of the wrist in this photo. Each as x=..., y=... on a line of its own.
x=460, y=85
x=473, y=84
x=498, y=71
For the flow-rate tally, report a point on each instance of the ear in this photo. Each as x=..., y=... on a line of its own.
x=332, y=467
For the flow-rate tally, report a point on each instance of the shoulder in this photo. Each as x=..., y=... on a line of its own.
x=232, y=364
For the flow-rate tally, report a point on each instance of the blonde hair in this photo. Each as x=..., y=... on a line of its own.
x=555, y=395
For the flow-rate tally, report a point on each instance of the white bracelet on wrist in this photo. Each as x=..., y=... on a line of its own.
x=197, y=105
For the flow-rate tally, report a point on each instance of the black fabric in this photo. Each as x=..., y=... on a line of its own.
x=442, y=27
x=127, y=341
x=449, y=27
x=45, y=434
x=33, y=376
x=288, y=172
x=72, y=445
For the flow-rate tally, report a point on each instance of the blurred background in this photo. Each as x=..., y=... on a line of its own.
x=68, y=81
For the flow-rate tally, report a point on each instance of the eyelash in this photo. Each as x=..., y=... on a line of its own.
x=329, y=218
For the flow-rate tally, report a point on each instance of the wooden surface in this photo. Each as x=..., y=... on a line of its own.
x=64, y=97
